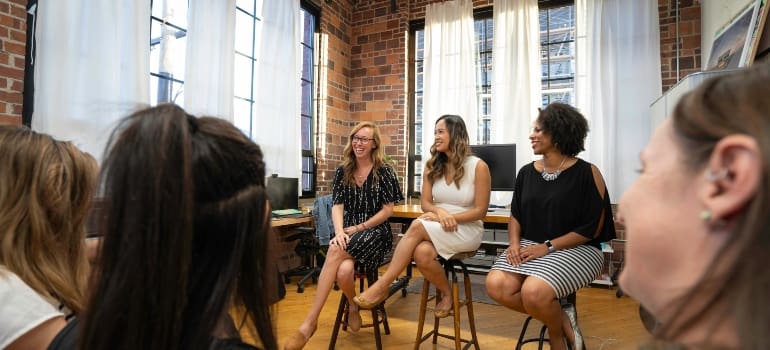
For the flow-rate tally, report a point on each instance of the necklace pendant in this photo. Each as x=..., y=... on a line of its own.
x=550, y=176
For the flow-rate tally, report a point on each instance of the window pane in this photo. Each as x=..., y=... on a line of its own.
x=243, y=76
x=164, y=90
x=245, y=5
x=420, y=42
x=242, y=115
x=307, y=63
x=172, y=11
x=308, y=28
x=244, y=33
x=307, y=133
x=307, y=98
x=167, y=52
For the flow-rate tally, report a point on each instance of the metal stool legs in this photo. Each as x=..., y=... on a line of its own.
x=449, y=270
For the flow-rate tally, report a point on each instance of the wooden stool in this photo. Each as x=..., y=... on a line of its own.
x=569, y=299
x=378, y=313
x=449, y=270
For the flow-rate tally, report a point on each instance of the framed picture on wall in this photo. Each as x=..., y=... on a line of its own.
x=733, y=44
x=759, y=34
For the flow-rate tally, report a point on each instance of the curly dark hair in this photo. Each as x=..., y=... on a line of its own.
x=566, y=126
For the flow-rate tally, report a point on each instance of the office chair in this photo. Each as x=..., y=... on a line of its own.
x=313, y=243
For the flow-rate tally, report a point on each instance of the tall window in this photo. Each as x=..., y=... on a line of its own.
x=307, y=83
x=168, y=38
x=557, y=40
x=167, y=63
x=557, y=54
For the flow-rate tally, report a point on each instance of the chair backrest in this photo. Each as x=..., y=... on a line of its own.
x=322, y=213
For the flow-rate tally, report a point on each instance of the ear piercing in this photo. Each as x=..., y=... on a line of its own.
x=712, y=175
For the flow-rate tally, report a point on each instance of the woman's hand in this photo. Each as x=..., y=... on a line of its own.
x=532, y=252
x=447, y=221
x=513, y=255
x=341, y=240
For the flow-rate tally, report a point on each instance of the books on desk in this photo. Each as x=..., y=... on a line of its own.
x=287, y=213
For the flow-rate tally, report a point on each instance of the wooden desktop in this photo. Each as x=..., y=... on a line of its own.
x=407, y=212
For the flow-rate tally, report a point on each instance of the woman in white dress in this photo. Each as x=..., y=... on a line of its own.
x=455, y=198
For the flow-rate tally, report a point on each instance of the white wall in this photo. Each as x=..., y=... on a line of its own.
x=714, y=15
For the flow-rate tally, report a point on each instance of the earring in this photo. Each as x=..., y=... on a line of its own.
x=705, y=215
x=712, y=176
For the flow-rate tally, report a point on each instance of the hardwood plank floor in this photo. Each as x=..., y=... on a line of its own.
x=607, y=322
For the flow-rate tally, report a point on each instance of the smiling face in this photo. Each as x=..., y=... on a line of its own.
x=668, y=246
x=441, y=138
x=540, y=140
x=363, y=143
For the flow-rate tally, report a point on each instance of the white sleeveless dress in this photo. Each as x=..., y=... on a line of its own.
x=468, y=235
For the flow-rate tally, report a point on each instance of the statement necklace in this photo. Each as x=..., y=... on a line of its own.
x=552, y=176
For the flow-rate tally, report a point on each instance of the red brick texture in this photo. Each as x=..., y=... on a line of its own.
x=13, y=36
x=687, y=40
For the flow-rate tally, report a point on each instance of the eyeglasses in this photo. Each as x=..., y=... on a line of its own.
x=362, y=140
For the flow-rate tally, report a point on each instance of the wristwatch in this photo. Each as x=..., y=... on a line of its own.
x=551, y=248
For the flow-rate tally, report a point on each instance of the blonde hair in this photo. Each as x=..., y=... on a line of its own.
x=46, y=187
x=349, y=157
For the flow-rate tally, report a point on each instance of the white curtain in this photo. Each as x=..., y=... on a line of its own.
x=209, y=58
x=450, y=68
x=618, y=77
x=276, y=84
x=516, y=78
x=91, y=68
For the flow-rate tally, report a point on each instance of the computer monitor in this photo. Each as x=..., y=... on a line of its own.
x=501, y=159
x=282, y=192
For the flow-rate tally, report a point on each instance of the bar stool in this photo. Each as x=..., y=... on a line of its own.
x=568, y=300
x=379, y=316
x=449, y=269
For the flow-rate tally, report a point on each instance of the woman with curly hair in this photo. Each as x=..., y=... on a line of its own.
x=46, y=188
x=455, y=198
x=560, y=213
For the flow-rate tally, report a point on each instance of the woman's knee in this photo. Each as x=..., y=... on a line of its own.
x=499, y=283
x=424, y=253
x=345, y=270
x=536, y=293
x=416, y=230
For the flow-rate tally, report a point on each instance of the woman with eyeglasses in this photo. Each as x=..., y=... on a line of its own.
x=455, y=197
x=365, y=188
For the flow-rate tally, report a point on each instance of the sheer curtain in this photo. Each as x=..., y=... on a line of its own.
x=209, y=58
x=618, y=77
x=276, y=88
x=450, y=67
x=90, y=68
x=516, y=78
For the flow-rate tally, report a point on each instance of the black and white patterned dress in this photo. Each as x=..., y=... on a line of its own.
x=549, y=209
x=368, y=247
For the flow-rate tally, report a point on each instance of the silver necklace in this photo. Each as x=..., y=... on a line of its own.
x=552, y=176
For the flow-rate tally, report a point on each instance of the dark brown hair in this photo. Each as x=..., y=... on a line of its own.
x=459, y=143
x=186, y=234
x=566, y=126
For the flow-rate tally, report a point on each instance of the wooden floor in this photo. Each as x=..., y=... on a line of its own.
x=607, y=322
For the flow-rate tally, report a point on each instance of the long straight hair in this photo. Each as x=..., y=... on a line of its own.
x=459, y=144
x=186, y=235
x=46, y=190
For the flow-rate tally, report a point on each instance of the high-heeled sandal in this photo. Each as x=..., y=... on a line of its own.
x=441, y=313
x=298, y=341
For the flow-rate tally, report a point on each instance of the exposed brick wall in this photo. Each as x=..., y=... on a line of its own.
x=13, y=38
x=689, y=41
x=333, y=98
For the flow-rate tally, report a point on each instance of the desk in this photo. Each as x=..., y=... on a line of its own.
x=407, y=212
x=293, y=221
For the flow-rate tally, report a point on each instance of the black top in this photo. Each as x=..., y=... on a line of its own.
x=369, y=246
x=571, y=203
